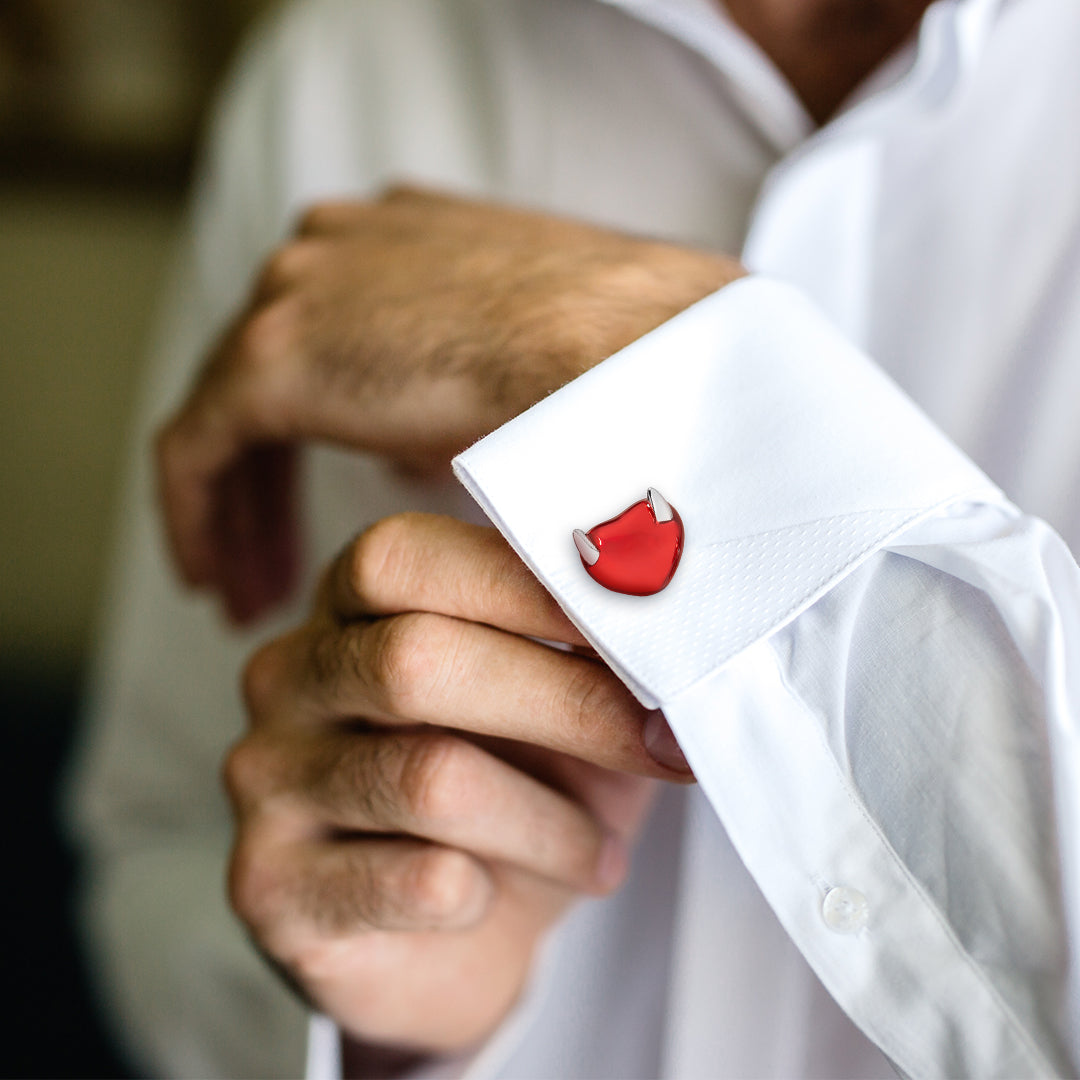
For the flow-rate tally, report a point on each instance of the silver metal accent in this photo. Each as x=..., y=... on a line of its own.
x=660, y=507
x=586, y=548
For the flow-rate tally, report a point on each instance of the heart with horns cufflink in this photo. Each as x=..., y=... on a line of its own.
x=636, y=552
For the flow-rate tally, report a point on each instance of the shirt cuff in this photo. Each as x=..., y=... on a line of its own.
x=789, y=456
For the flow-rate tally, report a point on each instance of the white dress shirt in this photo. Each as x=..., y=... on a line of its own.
x=867, y=653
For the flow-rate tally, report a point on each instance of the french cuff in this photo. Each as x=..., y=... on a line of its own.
x=788, y=455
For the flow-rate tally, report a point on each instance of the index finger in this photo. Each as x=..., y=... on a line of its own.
x=425, y=562
x=239, y=401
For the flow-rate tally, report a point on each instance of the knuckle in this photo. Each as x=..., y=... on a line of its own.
x=259, y=679
x=400, y=192
x=364, y=777
x=319, y=217
x=373, y=556
x=261, y=338
x=403, y=660
x=245, y=772
x=591, y=704
x=254, y=888
x=262, y=375
x=282, y=269
x=440, y=883
x=434, y=780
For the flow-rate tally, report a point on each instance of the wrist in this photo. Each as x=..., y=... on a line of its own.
x=632, y=297
x=613, y=298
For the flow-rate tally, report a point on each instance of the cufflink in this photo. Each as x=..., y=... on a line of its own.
x=637, y=552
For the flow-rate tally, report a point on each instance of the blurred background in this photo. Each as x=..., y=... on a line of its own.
x=100, y=106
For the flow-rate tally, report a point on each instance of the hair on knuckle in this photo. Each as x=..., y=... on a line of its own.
x=345, y=894
x=366, y=777
x=354, y=892
x=368, y=893
x=330, y=656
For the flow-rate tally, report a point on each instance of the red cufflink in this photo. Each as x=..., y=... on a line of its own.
x=636, y=552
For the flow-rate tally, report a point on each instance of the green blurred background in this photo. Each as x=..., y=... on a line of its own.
x=100, y=105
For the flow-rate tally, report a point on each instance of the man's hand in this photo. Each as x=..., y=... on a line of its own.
x=423, y=791
x=408, y=327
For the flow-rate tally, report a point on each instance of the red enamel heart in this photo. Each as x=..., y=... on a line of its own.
x=636, y=552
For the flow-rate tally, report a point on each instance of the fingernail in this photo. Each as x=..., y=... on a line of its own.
x=661, y=745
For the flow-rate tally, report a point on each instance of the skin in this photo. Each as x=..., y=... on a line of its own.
x=825, y=48
x=422, y=790
x=408, y=327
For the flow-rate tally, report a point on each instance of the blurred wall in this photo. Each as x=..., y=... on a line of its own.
x=99, y=103
x=79, y=278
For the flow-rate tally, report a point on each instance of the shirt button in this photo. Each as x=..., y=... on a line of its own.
x=845, y=910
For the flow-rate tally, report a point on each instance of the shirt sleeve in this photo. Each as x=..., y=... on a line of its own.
x=867, y=654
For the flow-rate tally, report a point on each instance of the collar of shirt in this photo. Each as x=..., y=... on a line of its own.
x=950, y=41
x=753, y=80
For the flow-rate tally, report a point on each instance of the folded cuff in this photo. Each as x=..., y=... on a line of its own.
x=789, y=456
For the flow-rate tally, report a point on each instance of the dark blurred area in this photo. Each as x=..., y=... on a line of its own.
x=100, y=105
x=110, y=90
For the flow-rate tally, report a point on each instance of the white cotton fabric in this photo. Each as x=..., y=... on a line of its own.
x=769, y=434
x=909, y=738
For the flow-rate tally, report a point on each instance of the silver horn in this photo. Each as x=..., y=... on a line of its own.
x=586, y=548
x=660, y=507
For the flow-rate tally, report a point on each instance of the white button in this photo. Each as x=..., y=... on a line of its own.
x=845, y=910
